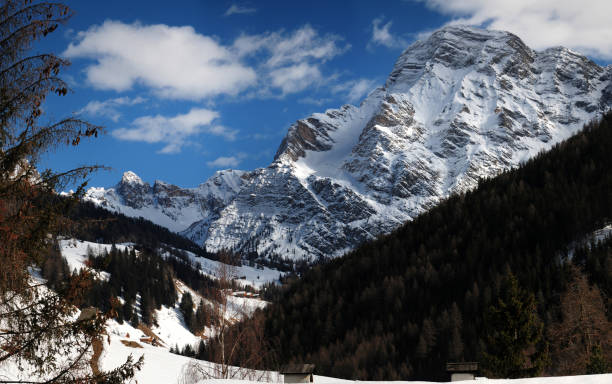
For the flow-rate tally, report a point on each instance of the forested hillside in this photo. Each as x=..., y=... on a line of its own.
x=89, y=222
x=402, y=306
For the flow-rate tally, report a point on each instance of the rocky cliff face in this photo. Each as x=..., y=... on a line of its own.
x=460, y=105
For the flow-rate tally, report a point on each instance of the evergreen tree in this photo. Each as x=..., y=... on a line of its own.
x=127, y=311
x=186, y=307
x=146, y=309
x=513, y=334
x=201, y=318
x=455, y=347
x=597, y=362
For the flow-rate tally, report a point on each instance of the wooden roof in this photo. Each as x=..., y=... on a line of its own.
x=297, y=369
x=462, y=367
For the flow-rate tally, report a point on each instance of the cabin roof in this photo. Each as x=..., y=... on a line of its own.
x=297, y=369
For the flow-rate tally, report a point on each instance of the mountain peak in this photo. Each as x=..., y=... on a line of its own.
x=458, y=47
x=131, y=178
x=470, y=32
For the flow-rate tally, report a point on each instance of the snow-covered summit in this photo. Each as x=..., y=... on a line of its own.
x=461, y=104
x=130, y=177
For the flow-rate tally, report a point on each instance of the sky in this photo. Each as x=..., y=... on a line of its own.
x=187, y=88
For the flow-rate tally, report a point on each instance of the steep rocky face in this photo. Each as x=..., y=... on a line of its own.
x=166, y=204
x=136, y=193
x=460, y=105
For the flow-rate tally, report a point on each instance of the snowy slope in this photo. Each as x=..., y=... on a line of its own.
x=244, y=274
x=462, y=104
x=590, y=379
x=160, y=366
x=76, y=253
x=170, y=326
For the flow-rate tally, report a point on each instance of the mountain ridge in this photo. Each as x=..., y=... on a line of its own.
x=462, y=104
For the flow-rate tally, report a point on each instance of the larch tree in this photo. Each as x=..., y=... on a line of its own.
x=582, y=339
x=38, y=332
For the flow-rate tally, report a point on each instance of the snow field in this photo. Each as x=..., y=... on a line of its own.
x=244, y=275
x=75, y=253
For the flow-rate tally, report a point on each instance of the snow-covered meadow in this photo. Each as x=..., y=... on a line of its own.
x=243, y=275
x=76, y=252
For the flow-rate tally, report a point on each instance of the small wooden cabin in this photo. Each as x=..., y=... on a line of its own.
x=298, y=373
x=462, y=371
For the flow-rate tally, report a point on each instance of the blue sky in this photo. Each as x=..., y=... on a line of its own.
x=186, y=89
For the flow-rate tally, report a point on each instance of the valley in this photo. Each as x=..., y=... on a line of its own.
x=440, y=210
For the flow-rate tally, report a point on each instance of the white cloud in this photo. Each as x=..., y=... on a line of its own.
x=220, y=130
x=176, y=62
x=357, y=89
x=236, y=9
x=303, y=44
x=584, y=26
x=179, y=63
x=382, y=36
x=226, y=161
x=295, y=78
x=109, y=108
x=292, y=61
x=315, y=101
x=264, y=136
x=173, y=131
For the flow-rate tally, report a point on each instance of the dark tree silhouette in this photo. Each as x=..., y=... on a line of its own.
x=514, y=346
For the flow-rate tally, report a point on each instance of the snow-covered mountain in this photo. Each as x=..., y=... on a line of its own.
x=462, y=104
x=168, y=205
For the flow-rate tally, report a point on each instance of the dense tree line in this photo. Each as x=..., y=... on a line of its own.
x=55, y=269
x=403, y=305
x=595, y=258
x=189, y=274
x=581, y=342
x=93, y=223
x=138, y=278
x=143, y=280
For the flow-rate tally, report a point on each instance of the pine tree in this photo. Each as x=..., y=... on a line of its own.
x=186, y=307
x=597, y=362
x=127, y=311
x=201, y=318
x=455, y=348
x=146, y=308
x=513, y=334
